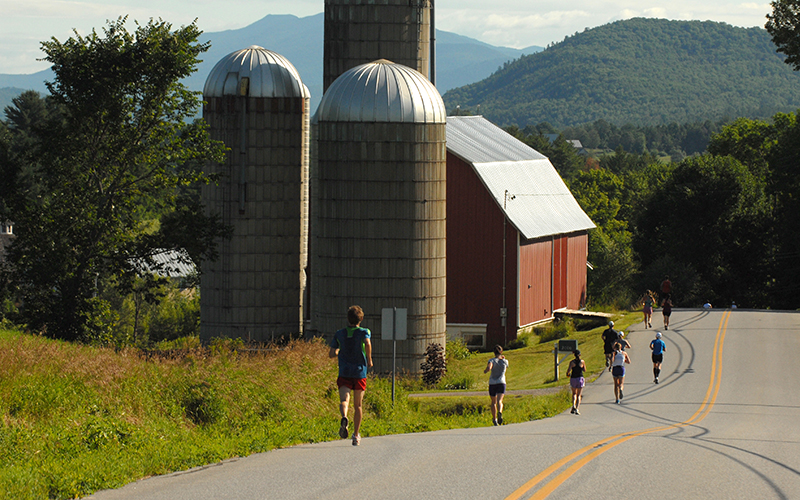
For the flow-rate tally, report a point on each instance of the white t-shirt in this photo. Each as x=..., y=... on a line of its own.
x=498, y=374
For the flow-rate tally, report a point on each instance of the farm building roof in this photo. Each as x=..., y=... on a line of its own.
x=522, y=181
x=168, y=263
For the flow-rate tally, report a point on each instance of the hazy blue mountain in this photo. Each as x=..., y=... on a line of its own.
x=460, y=60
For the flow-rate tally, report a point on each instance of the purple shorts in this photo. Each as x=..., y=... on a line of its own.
x=577, y=382
x=618, y=371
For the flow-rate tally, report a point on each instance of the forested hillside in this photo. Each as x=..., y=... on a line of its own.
x=640, y=71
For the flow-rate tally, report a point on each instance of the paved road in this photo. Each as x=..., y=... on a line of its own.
x=723, y=423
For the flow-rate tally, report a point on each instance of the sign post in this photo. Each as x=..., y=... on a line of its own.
x=394, y=326
x=562, y=346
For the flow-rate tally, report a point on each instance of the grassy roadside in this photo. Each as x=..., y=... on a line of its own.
x=76, y=419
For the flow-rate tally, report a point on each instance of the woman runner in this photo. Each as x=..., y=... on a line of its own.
x=577, y=367
x=619, y=359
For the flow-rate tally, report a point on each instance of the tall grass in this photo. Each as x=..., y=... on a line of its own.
x=76, y=419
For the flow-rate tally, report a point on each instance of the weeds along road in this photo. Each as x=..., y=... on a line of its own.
x=721, y=424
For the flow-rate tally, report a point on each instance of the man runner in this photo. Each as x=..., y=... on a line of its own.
x=658, y=347
x=354, y=349
x=609, y=336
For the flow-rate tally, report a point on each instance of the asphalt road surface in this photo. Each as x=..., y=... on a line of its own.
x=723, y=424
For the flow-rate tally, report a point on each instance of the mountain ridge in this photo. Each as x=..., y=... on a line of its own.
x=639, y=71
x=460, y=60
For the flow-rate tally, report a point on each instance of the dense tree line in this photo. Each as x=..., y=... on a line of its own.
x=674, y=140
x=639, y=71
x=723, y=224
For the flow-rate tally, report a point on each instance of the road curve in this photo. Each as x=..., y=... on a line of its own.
x=721, y=424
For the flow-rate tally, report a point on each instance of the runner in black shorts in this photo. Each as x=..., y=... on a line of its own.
x=620, y=357
x=609, y=338
x=658, y=346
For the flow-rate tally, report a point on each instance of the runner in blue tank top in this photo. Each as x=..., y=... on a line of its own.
x=658, y=346
x=354, y=350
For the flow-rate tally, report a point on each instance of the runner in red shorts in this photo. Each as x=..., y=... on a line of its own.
x=354, y=350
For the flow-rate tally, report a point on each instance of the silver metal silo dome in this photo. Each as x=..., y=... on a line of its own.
x=258, y=106
x=380, y=241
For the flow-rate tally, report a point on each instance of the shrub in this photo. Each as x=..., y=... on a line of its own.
x=457, y=349
x=434, y=367
x=559, y=329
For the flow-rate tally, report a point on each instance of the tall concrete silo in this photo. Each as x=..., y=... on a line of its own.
x=258, y=106
x=380, y=241
x=361, y=31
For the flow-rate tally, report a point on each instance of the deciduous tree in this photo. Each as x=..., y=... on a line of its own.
x=121, y=146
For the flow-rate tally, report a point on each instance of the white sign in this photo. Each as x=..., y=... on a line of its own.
x=394, y=323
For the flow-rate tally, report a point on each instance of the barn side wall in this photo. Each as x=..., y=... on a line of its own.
x=475, y=256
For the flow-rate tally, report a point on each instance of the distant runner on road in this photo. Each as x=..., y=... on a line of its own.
x=647, y=308
x=620, y=357
x=497, y=383
x=658, y=347
x=666, y=310
x=609, y=337
x=666, y=288
x=622, y=341
x=575, y=371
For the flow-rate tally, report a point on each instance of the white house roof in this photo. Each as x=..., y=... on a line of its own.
x=536, y=200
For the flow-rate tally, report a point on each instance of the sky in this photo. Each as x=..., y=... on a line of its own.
x=24, y=24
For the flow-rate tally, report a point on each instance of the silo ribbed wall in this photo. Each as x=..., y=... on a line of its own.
x=381, y=238
x=361, y=31
x=255, y=289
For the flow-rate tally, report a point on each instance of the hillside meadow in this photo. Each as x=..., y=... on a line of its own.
x=77, y=418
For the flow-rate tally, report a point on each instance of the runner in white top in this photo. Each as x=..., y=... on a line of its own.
x=497, y=383
x=619, y=358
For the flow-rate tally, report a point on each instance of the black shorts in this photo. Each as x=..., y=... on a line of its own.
x=618, y=371
x=658, y=358
x=495, y=389
x=608, y=349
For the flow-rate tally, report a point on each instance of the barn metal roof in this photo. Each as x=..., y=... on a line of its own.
x=167, y=263
x=536, y=200
x=382, y=91
x=270, y=74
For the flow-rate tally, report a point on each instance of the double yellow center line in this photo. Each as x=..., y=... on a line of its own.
x=589, y=453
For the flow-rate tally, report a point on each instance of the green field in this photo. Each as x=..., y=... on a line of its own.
x=76, y=419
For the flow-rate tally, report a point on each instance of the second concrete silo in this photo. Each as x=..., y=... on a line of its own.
x=361, y=31
x=258, y=106
x=380, y=241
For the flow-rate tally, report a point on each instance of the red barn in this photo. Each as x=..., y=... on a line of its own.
x=517, y=240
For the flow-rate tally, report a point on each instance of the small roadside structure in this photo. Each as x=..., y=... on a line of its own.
x=6, y=237
x=517, y=240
